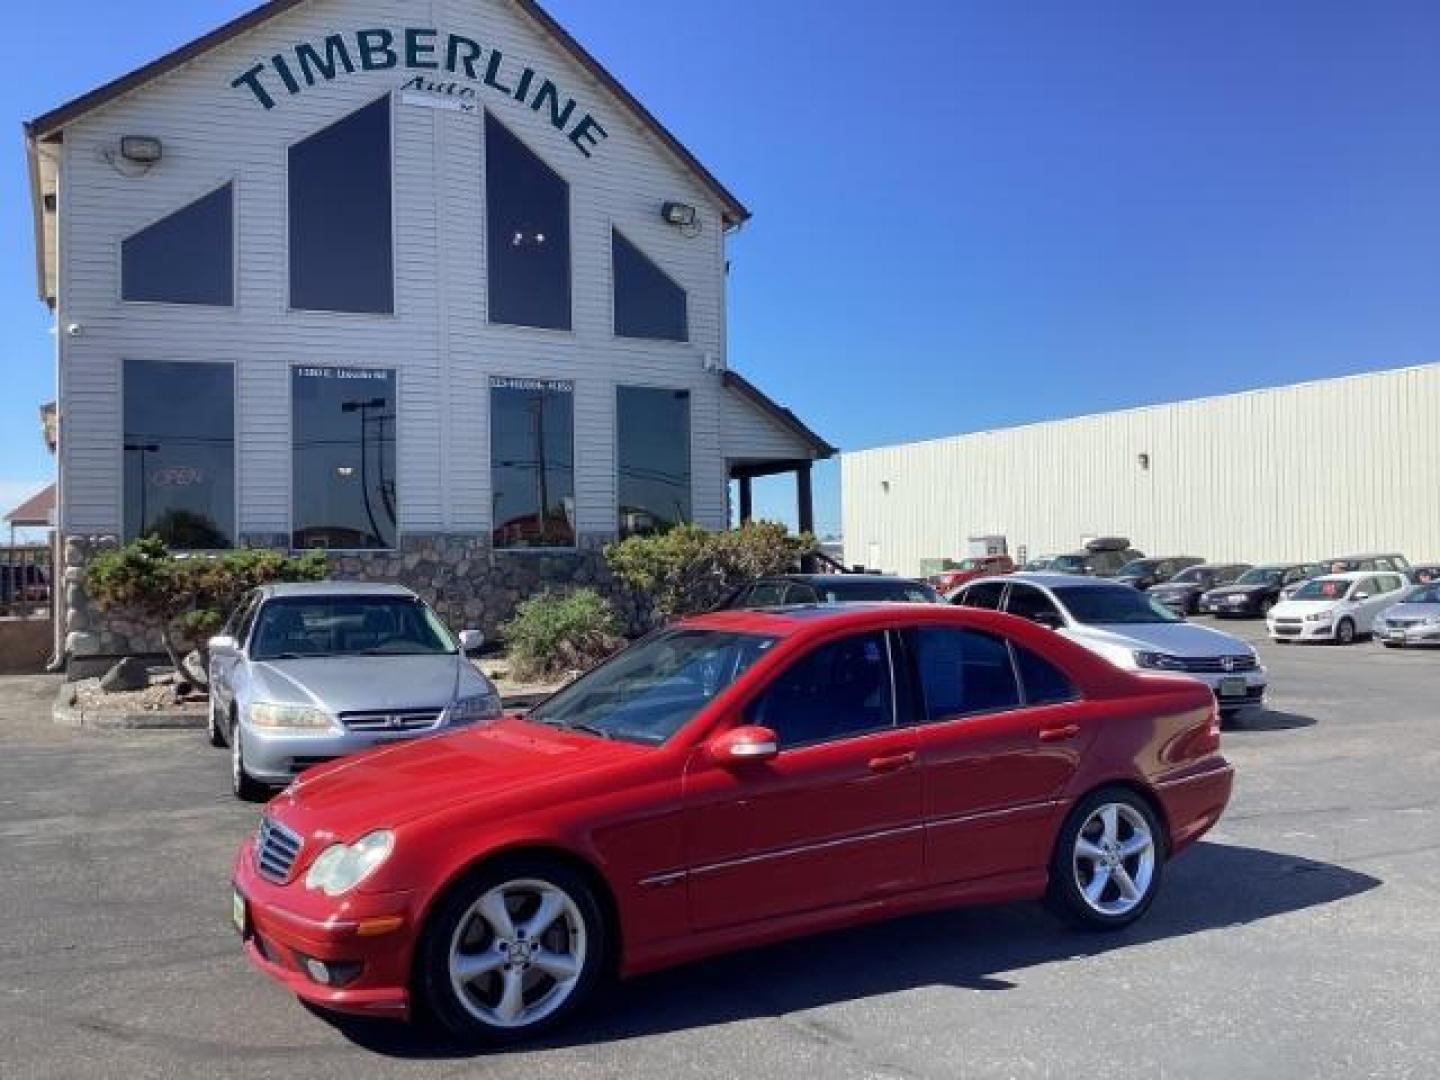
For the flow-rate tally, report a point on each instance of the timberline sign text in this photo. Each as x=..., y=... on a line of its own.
x=474, y=68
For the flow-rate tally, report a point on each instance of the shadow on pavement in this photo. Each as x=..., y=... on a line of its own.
x=1209, y=887
x=1267, y=720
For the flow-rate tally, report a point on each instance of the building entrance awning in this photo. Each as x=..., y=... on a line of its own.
x=760, y=437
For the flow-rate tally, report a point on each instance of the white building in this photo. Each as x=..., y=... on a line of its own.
x=418, y=283
x=1299, y=472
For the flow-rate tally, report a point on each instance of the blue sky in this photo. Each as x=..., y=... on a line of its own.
x=967, y=215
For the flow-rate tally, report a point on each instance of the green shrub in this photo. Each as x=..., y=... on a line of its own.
x=689, y=570
x=187, y=599
x=554, y=633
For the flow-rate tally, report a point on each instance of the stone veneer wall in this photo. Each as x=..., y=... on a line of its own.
x=471, y=585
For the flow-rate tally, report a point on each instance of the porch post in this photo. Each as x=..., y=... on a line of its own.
x=805, y=497
x=747, y=507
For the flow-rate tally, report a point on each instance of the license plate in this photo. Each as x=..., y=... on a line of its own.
x=239, y=912
x=1396, y=635
x=1232, y=688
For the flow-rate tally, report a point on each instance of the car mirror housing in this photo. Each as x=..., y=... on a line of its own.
x=471, y=641
x=744, y=745
x=222, y=643
x=1360, y=596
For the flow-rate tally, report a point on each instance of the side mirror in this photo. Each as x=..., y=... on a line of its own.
x=222, y=643
x=1360, y=596
x=743, y=745
x=471, y=641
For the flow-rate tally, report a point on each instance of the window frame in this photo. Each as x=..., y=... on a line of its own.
x=399, y=374
x=489, y=532
x=919, y=704
x=615, y=439
x=287, y=293
x=233, y=182
x=236, y=466
x=688, y=339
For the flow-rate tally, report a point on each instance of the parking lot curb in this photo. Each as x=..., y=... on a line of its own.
x=67, y=713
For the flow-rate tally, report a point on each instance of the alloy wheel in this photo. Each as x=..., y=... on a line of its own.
x=518, y=953
x=1114, y=859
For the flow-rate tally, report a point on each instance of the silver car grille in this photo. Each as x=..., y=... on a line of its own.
x=405, y=722
x=1403, y=624
x=276, y=849
x=1220, y=665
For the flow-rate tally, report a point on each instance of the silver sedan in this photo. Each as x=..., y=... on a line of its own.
x=1415, y=620
x=305, y=673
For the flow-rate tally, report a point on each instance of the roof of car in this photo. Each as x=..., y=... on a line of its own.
x=828, y=579
x=336, y=588
x=1052, y=581
x=1353, y=575
x=1364, y=555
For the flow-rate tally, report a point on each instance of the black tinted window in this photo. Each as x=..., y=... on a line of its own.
x=1044, y=683
x=532, y=462
x=186, y=258
x=984, y=595
x=843, y=688
x=341, y=256
x=652, y=458
x=179, y=453
x=343, y=458
x=1028, y=602
x=766, y=594
x=528, y=221
x=964, y=672
x=648, y=304
x=801, y=594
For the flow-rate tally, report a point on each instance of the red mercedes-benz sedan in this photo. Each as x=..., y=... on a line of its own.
x=730, y=780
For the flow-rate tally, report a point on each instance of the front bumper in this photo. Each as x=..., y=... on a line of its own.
x=1412, y=634
x=1228, y=688
x=1229, y=605
x=278, y=757
x=286, y=925
x=1295, y=630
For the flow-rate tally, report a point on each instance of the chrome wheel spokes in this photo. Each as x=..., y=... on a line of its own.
x=1114, y=859
x=518, y=953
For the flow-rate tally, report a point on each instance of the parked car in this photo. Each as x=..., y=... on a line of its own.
x=1039, y=563
x=1257, y=590
x=1425, y=574
x=1181, y=594
x=1415, y=620
x=1336, y=607
x=970, y=569
x=1147, y=573
x=1099, y=558
x=1130, y=629
x=1348, y=564
x=305, y=673
x=733, y=779
x=785, y=590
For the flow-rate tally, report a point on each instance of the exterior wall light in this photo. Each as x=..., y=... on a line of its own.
x=141, y=149
x=1144, y=460
x=681, y=215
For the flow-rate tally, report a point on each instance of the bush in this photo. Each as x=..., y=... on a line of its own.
x=554, y=633
x=689, y=570
x=187, y=599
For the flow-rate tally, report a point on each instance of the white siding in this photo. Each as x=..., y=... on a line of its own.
x=1299, y=472
x=439, y=339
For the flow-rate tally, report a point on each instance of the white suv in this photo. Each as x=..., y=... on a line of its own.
x=1336, y=607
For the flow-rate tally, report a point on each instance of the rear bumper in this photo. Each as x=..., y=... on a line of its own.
x=288, y=925
x=1194, y=801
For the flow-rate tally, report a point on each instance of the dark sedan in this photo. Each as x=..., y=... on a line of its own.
x=1181, y=594
x=787, y=590
x=1147, y=573
x=1257, y=590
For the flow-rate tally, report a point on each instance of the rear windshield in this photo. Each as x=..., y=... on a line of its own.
x=849, y=592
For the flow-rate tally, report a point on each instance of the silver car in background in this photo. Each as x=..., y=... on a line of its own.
x=1415, y=620
x=306, y=673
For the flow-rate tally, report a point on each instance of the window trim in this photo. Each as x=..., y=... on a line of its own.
x=921, y=706
x=489, y=533
x=290, y=473
x=1025, y=702
x=569, y=332
x=236, y=467
x=233, y=182
x=688, y=339
x=286, y=293
x=615, y=442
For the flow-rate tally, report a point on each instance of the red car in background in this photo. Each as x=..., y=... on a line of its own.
x=731, y=780
x=970, y=569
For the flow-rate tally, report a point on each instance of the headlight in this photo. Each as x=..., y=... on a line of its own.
x=1159, y=661
x=468, y=710
x=340, y=867
x=273, y=716
x=1320, y=616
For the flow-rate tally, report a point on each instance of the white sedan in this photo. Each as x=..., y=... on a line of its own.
x=1336, y=607
x=1129, y=628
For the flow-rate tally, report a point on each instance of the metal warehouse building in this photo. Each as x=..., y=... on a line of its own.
x=1299, y=472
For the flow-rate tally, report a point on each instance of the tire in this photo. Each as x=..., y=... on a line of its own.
x=490, y=1007
x=1266, y=606
x=1107, y=823
x=1345, y=632
x=1392, y=644
x=245, y=787
x=214, y=729
x=1228, y=717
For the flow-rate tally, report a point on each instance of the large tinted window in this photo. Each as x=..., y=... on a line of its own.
x=348, y=626
x=343, y=431
x=648, y=303
x=179, y=452
x=532, y=462
x=1113, y=605
x=186, y=258
x=341, y=251
x=840, y=689
x=1044, y=683
x=964, y=672
x=985, y=594
x=528, y=216
x=653, y=459
x=1028, y=602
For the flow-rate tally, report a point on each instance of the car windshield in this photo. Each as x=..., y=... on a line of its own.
x=1112, y=605
x=1138, y=568
x=968, y=564
x=1426, y=594
x=1260, y=576
x=1323, y=589
x=295, y=628
x=654, y=688
x=850, y=592
x=1069, y=564
x=1194, y=576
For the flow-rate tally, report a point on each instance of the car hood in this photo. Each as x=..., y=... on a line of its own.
x=1294, y=608
x=1413, y=611
x=1177, y=587
x=402, y=782
x=1177, y=639
x=1238, y=590
x=368, y=683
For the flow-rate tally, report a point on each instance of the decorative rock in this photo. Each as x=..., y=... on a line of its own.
x=129, y=674
x=194, y=667
x=82, y=644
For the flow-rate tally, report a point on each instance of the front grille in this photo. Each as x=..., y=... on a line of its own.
x=1404, y=624
x=1218, y=665
x=391, y=723
x=276, y=849
x=1296, y=623
x=1287, y=629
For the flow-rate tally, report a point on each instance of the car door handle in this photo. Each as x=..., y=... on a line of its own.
x=1059, y=734
x=892, y=762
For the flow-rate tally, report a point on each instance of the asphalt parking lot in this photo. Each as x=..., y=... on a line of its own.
x=1301, y=940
